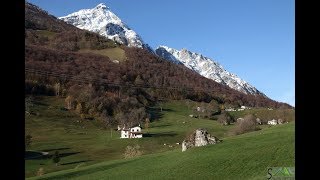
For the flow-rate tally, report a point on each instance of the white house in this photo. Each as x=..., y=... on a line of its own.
x=134, y=132
x=240, y=119
x=273, y=122
x=280, y=121
x=198, y=108
x=243, y=107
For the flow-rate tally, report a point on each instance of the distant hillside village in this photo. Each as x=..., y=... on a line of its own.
x=239, y=109
x=136, y=131
x=224, y=116
x=275, y=122
x=242, y=108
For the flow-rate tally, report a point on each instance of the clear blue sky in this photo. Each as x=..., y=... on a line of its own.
x=251, y=38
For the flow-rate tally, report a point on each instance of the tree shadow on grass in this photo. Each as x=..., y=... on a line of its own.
x=160, y=125
x=156, y=112
x=32, y=155
x=66, y=154
x=40, y=156
x=167, y=110
x=40, y=103
x=164, y=134
x=55, y=149
x=76, y=162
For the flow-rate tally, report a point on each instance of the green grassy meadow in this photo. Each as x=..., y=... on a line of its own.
x=48, y=34
x=90, y=152
x=113, y=53
x=87, y=143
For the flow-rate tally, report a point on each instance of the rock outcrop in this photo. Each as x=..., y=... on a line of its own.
x=199, y=138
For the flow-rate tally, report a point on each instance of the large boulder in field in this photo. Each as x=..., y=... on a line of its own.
x=200, y=137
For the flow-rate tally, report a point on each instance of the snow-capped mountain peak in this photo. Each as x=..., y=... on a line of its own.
x=102, y=20
x=206, y=67
x=101, y=6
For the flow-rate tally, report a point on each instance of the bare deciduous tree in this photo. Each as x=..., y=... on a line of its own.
x=68, y=102
x=225, y=118
x=57, y=88
x=40, y=172
x=79, y=108
x=146, y=125
x=246, y=125
x=131, y=152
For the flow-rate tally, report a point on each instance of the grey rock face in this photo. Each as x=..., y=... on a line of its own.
x=199, y=138
x=258, y=121
x=186, y=145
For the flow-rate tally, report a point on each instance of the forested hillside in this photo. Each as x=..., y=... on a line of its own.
x=110, y=89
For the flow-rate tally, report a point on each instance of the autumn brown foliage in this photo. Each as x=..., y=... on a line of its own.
x=113, y=91
x=132, y=151
x=246, y=125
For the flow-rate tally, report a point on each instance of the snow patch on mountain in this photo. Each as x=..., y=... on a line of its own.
x=207, y=68
x=103, y=21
